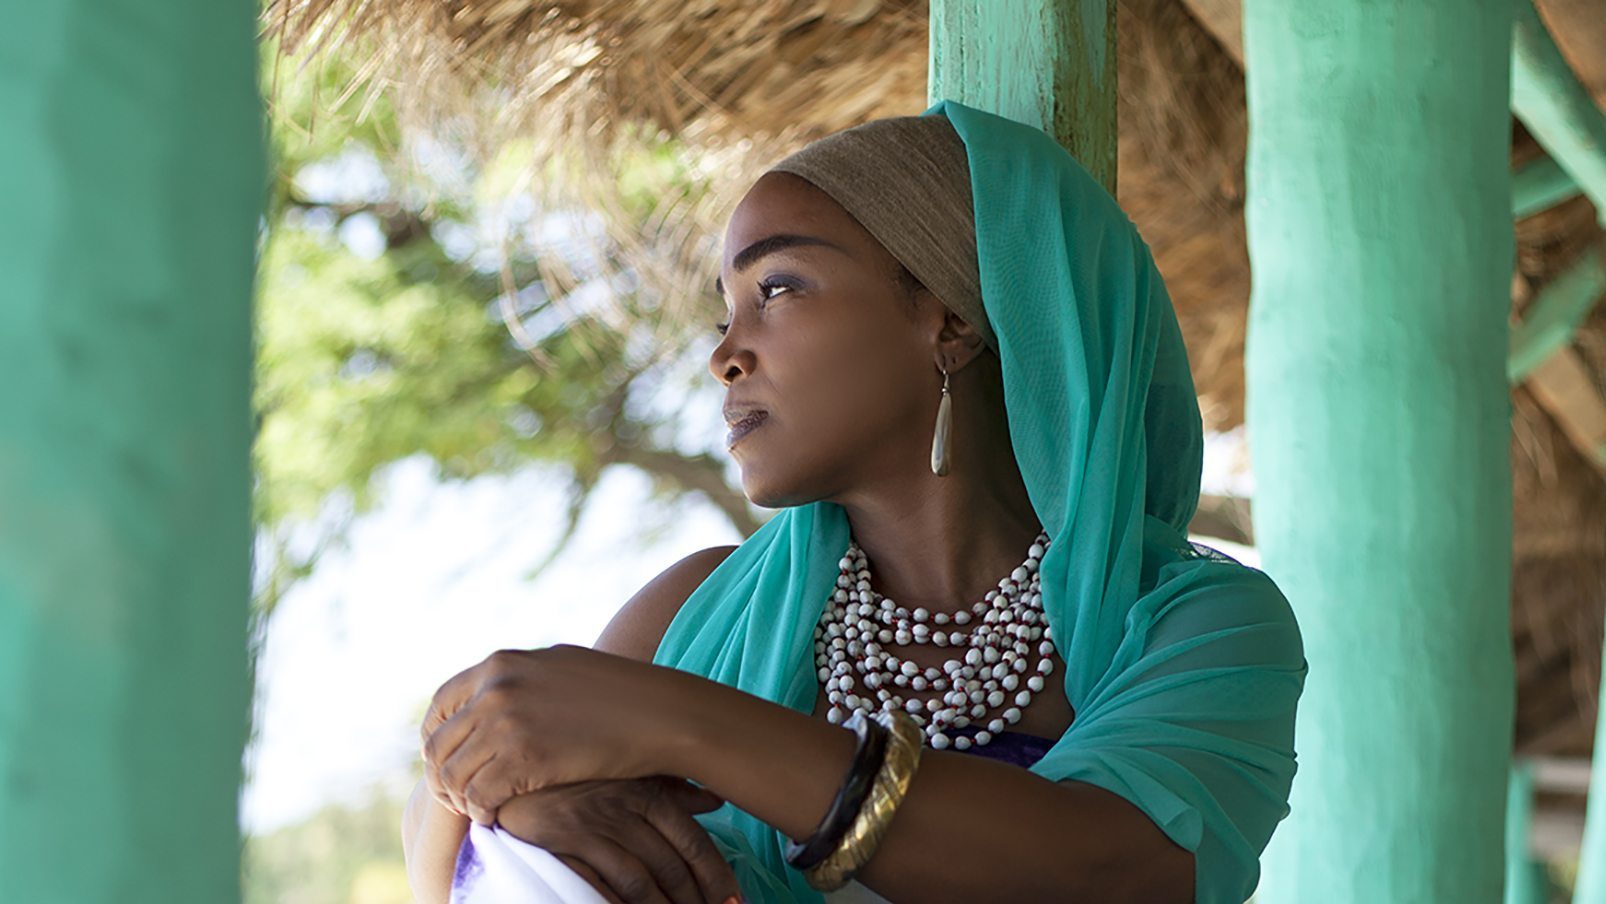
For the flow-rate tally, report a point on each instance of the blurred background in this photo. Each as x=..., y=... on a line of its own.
x=484, y=317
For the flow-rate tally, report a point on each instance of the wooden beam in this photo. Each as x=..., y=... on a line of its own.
x=1562, y=385
x=1561, y=774
x=1224, y=19
x=1547, y=96
x=1540, y=185
x=1555, y=314
x=1223, y=517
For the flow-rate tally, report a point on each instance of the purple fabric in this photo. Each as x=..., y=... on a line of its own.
x=468, y=864
x=1013, y=747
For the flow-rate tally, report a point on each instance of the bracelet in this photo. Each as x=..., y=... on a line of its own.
x=867, y=757
x=904, y=745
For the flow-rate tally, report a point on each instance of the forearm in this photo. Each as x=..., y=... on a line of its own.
x=431, y=837
x=969, y=829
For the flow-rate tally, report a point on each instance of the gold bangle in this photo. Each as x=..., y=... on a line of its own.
x=904, y=745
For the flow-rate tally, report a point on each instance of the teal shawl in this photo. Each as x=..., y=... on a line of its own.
x=1183, y=667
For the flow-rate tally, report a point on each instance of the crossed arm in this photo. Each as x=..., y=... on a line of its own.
x=969, y=829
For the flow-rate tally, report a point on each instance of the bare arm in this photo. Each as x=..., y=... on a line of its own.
x=432, y=834
x=970, y=828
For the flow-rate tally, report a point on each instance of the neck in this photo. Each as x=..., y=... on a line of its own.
x=942, y=542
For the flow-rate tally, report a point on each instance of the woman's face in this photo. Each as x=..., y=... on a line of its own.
x=825, y=344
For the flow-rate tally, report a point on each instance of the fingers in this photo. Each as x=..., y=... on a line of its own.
x=622, y=870
x=492, y=785
x=448, y=699
x=480, y=774
x=437, y=789
x=606, y=825
x=455, y=771
x=448, y=736
x=694, y=848
x=585, y=872
x=695, y=798
x=669, y=868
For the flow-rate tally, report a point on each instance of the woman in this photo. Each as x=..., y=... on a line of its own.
x=952, y=365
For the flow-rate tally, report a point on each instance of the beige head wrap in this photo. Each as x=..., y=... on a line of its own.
x=906, y=179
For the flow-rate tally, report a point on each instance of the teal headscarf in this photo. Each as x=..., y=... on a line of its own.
x=1183, y=667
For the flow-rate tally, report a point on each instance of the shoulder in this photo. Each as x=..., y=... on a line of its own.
x=640, y=624
x=1215, y=606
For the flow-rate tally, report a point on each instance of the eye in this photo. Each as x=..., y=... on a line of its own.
x=720, y=328
x=774, y=282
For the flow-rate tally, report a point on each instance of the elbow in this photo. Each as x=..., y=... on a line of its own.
x=1136, y=861
x=423, y=877
x=1163, y=876
x=411, y=816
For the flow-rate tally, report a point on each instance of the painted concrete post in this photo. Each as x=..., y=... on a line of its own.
x=1380, y=237
x=1049, y=63
x=1590, y=888
x=1525, y=877
x=131, y=178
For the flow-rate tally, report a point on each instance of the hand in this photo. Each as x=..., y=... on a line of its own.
x=523, y=720
x=634, y=840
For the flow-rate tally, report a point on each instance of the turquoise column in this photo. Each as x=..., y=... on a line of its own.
x=131, y=173
x=1047, y=63
x=1525, y=877
x=1380, y=238
x=1590, y=887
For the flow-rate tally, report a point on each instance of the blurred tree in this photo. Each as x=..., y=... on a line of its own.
x=345, y=853
x=417, y=298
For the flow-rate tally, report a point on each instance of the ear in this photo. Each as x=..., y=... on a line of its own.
x=958, y=343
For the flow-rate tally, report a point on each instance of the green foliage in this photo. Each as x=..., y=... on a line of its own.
x=363, y=362
x=342, y=854
x=412, y=302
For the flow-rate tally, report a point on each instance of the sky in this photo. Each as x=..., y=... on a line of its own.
x=433, y=582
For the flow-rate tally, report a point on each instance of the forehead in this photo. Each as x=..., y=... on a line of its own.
x=783, y=203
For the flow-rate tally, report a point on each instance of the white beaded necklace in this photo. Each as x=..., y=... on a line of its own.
x=1009, y=624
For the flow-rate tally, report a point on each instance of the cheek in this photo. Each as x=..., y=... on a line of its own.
x=849, y=383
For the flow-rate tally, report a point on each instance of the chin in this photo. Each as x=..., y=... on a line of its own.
x=767, y=489
x=766, y=495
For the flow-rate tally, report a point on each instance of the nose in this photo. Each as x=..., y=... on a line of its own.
x=730, y=357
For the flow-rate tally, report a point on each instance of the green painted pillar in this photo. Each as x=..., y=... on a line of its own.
x=1590, y=887
x=1525, y=877
x=131, y=176
x=1380, y=238
x=1048, y=63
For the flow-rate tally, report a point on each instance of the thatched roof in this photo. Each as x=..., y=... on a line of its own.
x=745, y=82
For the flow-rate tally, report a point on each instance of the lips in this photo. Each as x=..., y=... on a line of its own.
x=744, y=424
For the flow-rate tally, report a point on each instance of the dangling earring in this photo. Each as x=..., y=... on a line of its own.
x=939, y=442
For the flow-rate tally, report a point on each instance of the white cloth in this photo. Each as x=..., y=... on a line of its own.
x=496, y=867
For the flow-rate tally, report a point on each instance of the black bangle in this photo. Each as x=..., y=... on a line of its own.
x=867, y=757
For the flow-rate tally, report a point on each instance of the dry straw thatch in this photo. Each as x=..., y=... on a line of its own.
x=742, y=83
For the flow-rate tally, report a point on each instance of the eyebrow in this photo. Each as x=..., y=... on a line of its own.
x=767, y=246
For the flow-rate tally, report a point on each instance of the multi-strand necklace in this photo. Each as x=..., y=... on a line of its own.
x=988, y=684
